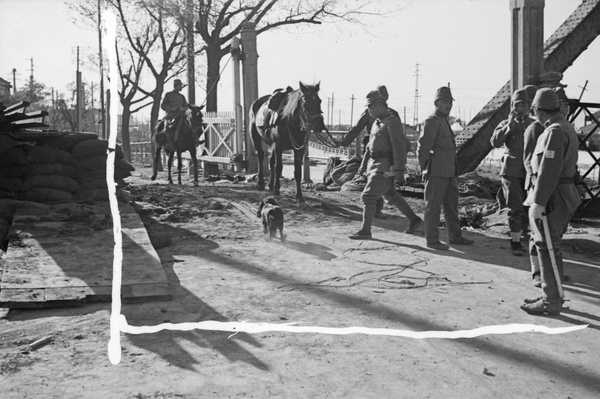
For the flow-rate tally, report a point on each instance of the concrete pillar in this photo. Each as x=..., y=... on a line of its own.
x=250, y=84
x=527, y=37
x=237, y=104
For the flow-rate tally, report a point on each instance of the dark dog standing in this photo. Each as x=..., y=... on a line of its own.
x=272, y=217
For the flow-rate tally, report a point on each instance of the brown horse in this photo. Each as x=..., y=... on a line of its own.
x=298, y=112
x=188, y=139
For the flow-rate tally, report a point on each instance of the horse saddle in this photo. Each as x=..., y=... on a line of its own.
x=268, y=115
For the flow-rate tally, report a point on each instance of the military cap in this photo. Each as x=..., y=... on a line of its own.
x=546, y=99
x=443, y=93
x=373, y=97
x=382, y=90
x=177, y=81
x=560, y=93
x=520, y=96
x=530, y=90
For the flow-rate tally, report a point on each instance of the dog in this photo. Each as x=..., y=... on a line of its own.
x=272, y=217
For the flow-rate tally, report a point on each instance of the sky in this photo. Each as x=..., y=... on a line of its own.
x=464, y=43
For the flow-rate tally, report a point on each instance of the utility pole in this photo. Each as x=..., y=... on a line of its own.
x=191, y=78
x=332, y=98
x=352, y=109
x=14, y=71
x=416, y=105
x=78, y=98
x=328, y=102
x=102, y=109
x=31, y=91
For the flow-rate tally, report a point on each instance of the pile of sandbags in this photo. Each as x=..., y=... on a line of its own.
x=57, y=169
x=91, y=158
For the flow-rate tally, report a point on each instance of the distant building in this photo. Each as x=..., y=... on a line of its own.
x=5, y=87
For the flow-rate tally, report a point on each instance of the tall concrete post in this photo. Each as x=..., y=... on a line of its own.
x=237, y=104
x=527, y=42
x=250, y=84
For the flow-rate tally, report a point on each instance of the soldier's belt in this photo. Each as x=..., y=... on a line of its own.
x=382, y=154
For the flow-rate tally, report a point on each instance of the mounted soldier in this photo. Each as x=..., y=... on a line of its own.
x=175, y=106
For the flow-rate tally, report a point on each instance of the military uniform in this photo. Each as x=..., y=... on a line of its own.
x=437, y=158
x=510, y=135
x=365, y=122
x=172, y=104
x=387, y=150
x=553, y=167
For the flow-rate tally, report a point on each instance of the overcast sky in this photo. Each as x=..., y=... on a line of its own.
x=462, y=42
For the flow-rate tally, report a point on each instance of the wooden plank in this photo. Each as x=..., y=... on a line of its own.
x=62, y=262
x=16, y=107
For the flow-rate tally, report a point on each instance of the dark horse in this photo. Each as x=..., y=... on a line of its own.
x=299, y=112
x=188, y=138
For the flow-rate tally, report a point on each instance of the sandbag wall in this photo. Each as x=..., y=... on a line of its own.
x=69, y=167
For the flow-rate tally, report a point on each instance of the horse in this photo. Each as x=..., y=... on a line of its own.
x=188, y=138
x=298, y=112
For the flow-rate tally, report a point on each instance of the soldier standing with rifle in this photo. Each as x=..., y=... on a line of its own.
x=553, y=198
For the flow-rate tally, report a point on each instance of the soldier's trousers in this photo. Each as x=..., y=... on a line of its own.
x=558, y=221
x=376, y=187
x=514, y=193
x=441, y=192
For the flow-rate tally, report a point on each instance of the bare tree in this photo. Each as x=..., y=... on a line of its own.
x=219, y=21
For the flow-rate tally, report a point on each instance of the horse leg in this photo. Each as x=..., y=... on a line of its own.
x=155, y=161
x=179, y=166
x=272, y=168
x=260, y=154
x=195, y=162
x=169, y=164
x=278, y=154
x=298, y=157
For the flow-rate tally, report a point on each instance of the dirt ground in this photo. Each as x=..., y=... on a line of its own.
x=220, y=267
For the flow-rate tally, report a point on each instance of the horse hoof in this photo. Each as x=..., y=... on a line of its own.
x=153, y=178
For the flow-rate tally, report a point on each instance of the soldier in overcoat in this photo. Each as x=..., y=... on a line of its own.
x=437, y=160
x=509, y=134
x=553, y=194
x=386, y=164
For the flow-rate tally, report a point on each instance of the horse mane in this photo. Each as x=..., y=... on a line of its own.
x=290, y=107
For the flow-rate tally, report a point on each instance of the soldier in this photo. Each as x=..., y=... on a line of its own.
x=553, y=195
x=437, y=159
x=175, y=106
x=387, y=162
x=532, y=133
x=509, y=134
x=366, y=122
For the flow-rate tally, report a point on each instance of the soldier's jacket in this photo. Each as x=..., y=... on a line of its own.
x=512, y=138
x=436, y=148
x=554, y=164
x=172, y=101
x=387, y=145
x=364, y=122
x=532, y=133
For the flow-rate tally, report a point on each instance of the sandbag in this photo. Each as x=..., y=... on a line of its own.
x=65, y=142
x=98, y=182
x=52, y=169
x=8, y=194
x=93, y=162
x=14, y=171
x=90, y=148
x=38, y=155
x=6, y=143
x=59, y=182
x=96, y=194
x=14, y=184
x=345, y=171
x=14, y=157
x=44, y=194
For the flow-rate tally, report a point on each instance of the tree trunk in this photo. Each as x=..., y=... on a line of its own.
x=158, y=93
x=126, y=143
x=213, y=61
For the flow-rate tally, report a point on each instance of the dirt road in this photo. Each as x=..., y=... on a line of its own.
x=220, y=268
